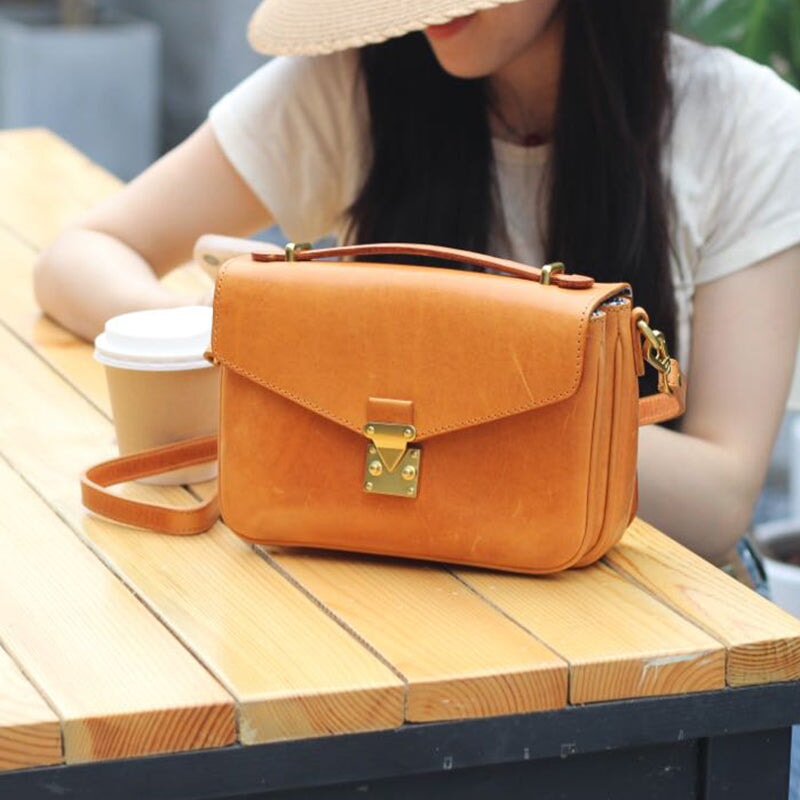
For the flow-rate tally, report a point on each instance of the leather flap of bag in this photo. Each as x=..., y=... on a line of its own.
x=464, y=348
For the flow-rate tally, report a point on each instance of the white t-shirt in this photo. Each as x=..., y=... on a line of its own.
x=296, y=130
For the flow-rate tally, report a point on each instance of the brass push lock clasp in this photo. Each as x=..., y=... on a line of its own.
x=392, y=467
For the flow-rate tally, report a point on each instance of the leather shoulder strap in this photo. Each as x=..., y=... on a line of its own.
x=670, y=402
x=151, y=516
x=181, y=521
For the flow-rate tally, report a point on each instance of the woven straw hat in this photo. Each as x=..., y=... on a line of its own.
x=314, y=27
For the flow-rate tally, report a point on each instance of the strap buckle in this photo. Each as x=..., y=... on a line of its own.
x=549, y=270
x=655, y=350
x=292, y=249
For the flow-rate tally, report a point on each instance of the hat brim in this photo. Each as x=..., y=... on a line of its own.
x=316, y=27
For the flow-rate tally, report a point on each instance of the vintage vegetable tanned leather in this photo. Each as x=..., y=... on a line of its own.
x=423, y=412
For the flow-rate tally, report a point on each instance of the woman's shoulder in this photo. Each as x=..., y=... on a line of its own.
x=729, y=110
x=292, y=102
x=296, y=78
x=297, y=116
x=719, y=85
x=733, y=160
x=326, y=69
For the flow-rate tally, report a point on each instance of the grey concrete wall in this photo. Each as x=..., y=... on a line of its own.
x=204, y=54
x=98, y=87
x=92, y=85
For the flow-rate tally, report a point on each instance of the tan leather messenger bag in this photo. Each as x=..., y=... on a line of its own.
x=484, y=418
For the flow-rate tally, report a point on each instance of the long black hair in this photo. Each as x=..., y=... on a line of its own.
x=608, y=212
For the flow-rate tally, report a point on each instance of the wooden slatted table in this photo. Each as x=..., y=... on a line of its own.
x=144, y=666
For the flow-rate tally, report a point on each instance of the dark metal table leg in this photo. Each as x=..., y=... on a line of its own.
x=746, y=766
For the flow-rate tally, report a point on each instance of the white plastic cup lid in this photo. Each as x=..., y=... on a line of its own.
x=161, y=339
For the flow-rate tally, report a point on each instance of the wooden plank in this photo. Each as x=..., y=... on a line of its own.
x=70, y=356
x=120, y=682
x=289, y=697
x=461, y=657
x=619, y=641
x=294, y=671
x=210, y=590
x=762, y=640
x=30, y=731
x=53, y=183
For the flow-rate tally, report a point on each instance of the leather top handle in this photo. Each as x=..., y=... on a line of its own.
x=303, y=252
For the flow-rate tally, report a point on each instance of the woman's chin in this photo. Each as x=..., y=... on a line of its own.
x=461, y=64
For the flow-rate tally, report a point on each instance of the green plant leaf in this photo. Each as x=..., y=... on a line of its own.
x=767, y=31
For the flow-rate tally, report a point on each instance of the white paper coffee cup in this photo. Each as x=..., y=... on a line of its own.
x=162, y=388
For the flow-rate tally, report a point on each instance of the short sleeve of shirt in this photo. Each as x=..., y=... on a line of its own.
x=737, y=179
x=293, y=131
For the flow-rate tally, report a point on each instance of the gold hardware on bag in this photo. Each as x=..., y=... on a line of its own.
x=548, y=270
x=392, y=467
x=293, y=248
x=655, y=349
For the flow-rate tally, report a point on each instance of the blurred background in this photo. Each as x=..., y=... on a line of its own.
x=125, y=80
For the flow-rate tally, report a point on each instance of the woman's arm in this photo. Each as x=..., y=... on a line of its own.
x=700, y=485
x=111, y=260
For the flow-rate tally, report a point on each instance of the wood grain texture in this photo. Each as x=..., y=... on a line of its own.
x=210, y=590
x=293, y=670
x=121, y=683
x=30, y=731
x=53, y=183
x=461, y=657
x=762, y=640
x=618, y=640
x=281, y=690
